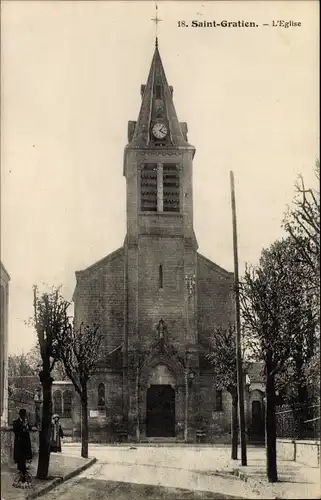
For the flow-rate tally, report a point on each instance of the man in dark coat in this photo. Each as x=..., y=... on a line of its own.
x=22, y=443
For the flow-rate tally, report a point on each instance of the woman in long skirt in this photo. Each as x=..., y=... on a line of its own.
x=56, y=434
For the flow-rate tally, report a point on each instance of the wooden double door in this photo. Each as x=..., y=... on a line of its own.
x=160, y=408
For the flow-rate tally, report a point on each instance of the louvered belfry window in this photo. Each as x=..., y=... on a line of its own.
x=148, y=188
x=159, y=188
x=170, y=188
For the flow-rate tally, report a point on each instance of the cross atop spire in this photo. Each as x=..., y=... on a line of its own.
x=156, y=20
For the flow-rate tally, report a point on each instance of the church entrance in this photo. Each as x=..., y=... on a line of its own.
x=257, y=420
x=160, y=408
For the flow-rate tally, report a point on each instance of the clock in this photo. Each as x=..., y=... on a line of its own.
x=159, y=130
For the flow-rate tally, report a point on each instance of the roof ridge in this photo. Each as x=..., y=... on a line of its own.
x=220, y=269
x=110, y=256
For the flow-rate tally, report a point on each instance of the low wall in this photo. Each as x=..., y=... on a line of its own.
x=303, y=451
x=7, y=440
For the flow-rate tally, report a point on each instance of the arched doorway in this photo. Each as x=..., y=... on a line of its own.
x=160, y=421
x=57, y=402
x=160, y=403
x=257, y=419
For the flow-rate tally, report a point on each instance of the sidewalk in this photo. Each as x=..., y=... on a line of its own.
x=61, y=468
x=295, y=480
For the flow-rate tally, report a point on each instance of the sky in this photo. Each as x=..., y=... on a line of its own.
x=70, y=80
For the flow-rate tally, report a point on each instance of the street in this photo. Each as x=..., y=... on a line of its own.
x=151, y=472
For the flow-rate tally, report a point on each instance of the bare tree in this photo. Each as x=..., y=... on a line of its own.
x=276, y=315
x=302, y=222
x=136, y=359
x=33, y=357
x=294, y=383
x=223, y=359
x=50, y=317
x=79, y=350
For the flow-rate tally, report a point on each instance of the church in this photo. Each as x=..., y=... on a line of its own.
x=157, y=299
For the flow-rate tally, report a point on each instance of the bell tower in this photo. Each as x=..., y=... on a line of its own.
x=158, y=164
x=160, y=247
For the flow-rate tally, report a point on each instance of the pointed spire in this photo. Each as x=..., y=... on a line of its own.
x=157, y=105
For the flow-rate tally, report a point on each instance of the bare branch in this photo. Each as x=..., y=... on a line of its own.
x=79, y=351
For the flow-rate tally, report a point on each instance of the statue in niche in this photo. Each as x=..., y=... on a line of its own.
x=161, y=330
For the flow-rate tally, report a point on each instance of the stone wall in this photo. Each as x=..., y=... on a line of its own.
x=102, y=420
x=305, y=452
x=215, y=309
x=99, y=298
x=155, y=303
x=214, y=292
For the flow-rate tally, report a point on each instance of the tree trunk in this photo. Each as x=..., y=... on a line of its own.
x=44, y=434
x=270, y=430
x=137, y=405
x=186, y=409
x=235, y=425
x=84, y=417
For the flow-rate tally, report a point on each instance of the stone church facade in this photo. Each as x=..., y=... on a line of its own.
x=157, y=299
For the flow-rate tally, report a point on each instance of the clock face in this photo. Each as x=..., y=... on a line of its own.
x=159, y=130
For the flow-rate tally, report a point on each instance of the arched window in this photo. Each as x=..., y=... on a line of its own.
x=101, y=395
x=67, y=400
x=160, y=277
x=57, y=402
x=218, y=400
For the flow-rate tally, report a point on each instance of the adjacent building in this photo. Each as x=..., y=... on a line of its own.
x=4, y=314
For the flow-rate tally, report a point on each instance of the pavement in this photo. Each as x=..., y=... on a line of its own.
x=61, y=468
x=127, y=472
x=200, y=472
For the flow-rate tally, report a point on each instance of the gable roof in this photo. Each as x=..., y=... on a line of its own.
x=4, y=274
x=101, y=262
x=117, y=254
x=220, y=270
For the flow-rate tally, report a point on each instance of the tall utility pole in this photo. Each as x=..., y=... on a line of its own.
x=240, y=384
x=190, y=282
